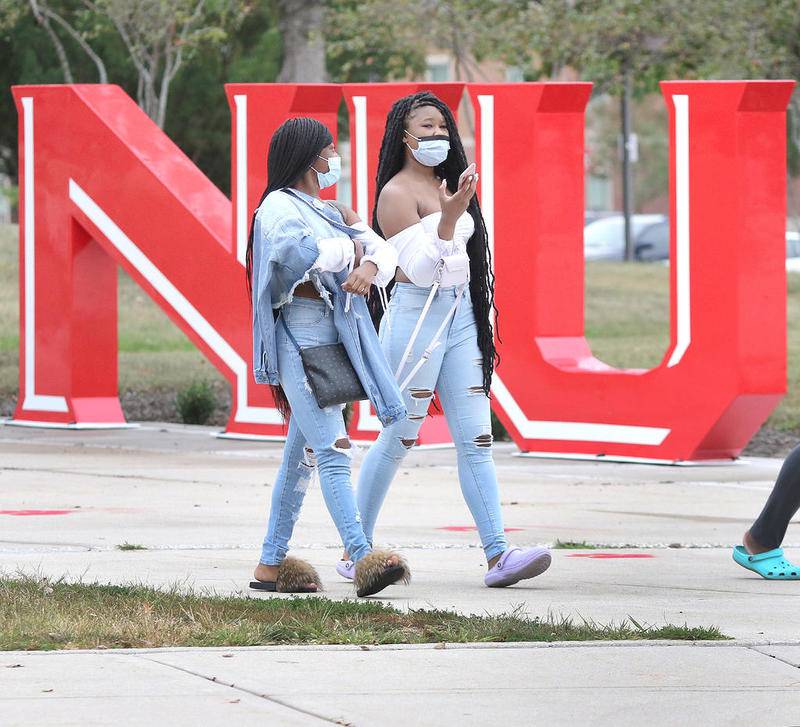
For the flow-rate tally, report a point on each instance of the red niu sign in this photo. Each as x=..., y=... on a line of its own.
x=101, y=185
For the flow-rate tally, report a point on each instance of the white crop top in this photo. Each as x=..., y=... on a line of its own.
x=420, y=249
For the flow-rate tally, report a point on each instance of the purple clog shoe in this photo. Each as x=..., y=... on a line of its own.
x=517, y=564
x=346, y=569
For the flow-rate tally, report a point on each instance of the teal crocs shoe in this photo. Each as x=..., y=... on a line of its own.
x=770, y=565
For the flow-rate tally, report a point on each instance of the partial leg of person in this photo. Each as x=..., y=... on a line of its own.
x=386, y=454
x=373, y=569
x=761, y=551
x=324, y=432
x=468, y=413
x=769, y=529
x=288, y=494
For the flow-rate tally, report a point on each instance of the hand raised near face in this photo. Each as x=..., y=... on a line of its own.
x=454, y=205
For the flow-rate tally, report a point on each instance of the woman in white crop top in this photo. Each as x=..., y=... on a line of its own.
x=427, y=209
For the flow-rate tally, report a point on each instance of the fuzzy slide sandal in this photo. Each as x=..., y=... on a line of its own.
x=373, y=574
x=294, y=576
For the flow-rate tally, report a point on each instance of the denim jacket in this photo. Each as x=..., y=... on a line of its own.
x=290, y=236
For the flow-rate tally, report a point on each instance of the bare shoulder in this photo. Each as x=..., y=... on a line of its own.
x=397, y=206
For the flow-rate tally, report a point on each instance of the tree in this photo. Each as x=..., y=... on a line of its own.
x=301, y=24
x=197, y=116
x=199, y=120
x=373, y=40
x=158, y=35
x=46, y=16
x=766, y=40
x=362, y=47
x=626, y=46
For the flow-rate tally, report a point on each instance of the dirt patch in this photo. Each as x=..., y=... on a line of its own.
x=771, y=442
x=152, y=405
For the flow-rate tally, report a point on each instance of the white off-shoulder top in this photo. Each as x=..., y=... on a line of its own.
x=420, y=249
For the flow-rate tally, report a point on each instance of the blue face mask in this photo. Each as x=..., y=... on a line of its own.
x=431, y=151
x=329, y=178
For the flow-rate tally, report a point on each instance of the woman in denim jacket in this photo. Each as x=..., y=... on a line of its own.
x=312, y=263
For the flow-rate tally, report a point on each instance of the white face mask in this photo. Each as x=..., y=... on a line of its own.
x=431, y=151
x=329, y=178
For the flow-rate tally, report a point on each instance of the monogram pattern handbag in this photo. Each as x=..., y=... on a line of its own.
x=329, y=371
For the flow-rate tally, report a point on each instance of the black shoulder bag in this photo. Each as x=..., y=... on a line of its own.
x=329, y=371
x=328, y=368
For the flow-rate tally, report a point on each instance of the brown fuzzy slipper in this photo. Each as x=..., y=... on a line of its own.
x=373, y=575
x=294, y=575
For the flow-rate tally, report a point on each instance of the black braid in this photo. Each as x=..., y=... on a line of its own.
x=292, y=150
x=390, y=162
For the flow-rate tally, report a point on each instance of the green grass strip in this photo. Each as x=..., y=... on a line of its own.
x=576, y=545
x=42, y=614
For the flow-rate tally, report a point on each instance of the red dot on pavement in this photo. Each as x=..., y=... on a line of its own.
x=36, y=512
x=468, y=528
x=610, y=555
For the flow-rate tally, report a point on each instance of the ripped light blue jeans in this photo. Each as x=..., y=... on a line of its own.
x=455, y=372
x=314, y=434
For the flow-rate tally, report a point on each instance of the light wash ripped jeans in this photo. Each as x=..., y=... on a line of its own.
x=310, y=427
x=455, y=372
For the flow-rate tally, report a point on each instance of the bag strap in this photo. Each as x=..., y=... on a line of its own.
x=288, y=332
x=414, y=335
x=351, y=232
x=434, y=343
x=384, y=297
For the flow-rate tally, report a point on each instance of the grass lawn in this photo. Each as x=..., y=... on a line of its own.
x=37, y=613
x=154, y=355
x=627, y=324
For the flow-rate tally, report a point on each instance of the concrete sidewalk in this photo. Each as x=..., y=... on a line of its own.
x=623, y=684
x=199, y=505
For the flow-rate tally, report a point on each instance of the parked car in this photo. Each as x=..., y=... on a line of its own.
x=604, y=239
x=792, y=251
x=590, y=216
x=653, y=242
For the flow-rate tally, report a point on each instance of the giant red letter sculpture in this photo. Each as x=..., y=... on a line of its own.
x=101, y=185
x=725, y=369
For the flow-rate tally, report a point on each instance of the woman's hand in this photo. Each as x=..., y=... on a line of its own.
x=348, y=214
x=454, y=205
x=360, y=280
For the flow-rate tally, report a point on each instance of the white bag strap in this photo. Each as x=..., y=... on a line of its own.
x=414, y=335
x=434, y=341
x=384, y=296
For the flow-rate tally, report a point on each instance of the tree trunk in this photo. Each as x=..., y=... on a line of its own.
x=301, y=28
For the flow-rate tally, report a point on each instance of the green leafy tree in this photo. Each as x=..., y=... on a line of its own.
x=199, y=120
x=158, y=35
x=244, y=46
x=375, y=40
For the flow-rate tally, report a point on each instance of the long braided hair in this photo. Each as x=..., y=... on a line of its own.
x=292, y=150
x=390, y=162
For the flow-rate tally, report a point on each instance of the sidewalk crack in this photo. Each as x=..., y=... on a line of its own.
x=772, y=656
x=230, y=685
